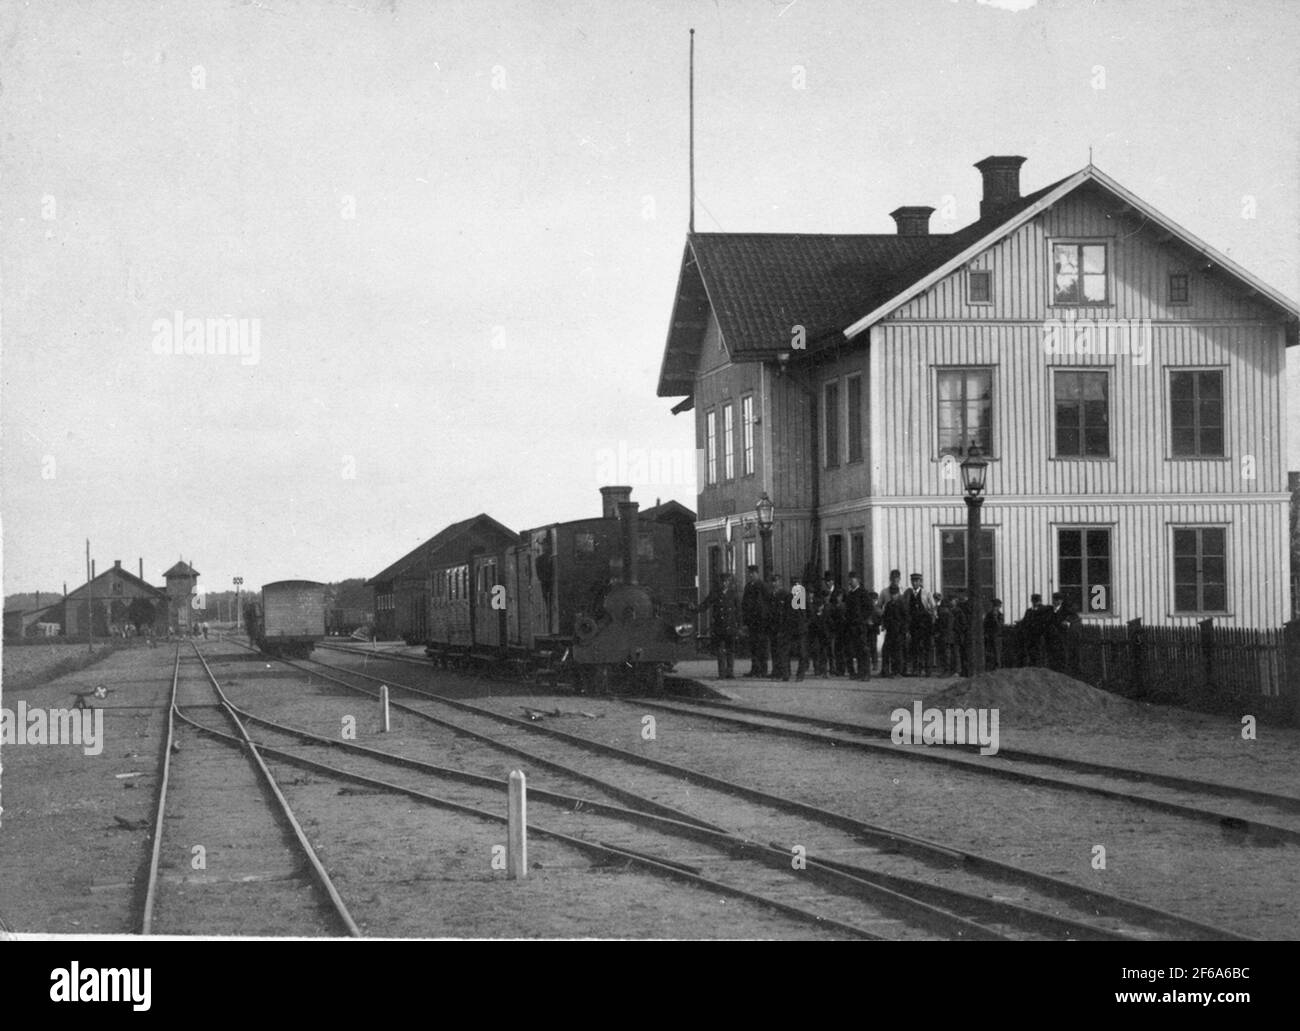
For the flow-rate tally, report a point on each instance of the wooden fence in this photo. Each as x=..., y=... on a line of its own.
x=1200, y=666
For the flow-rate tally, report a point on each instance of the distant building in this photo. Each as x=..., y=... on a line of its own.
x=181, y=588
x=111, y=593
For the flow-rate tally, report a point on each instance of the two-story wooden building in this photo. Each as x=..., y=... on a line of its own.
x=1124, y=378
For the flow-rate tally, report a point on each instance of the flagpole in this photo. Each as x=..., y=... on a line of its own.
x=691, y=217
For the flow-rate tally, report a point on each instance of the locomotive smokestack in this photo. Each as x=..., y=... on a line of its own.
x=627, y=515
x=611, y=498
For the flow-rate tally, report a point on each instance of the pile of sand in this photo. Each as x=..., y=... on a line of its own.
x=1034, y=693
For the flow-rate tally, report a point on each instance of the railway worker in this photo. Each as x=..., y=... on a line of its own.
x=945, y=642
x=870, y=655
x=1031, y=630
x=920, y=626
x=824, y=626
x=723, y=604
x=855, y=628
x=778, y=627
x=961, y=615
x=798, y=622
x=894, y=620
x=994, y=623
x=755, y=604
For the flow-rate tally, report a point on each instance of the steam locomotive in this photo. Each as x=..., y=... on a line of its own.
x=593, y=601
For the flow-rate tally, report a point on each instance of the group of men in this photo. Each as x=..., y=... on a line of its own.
x=837, y=630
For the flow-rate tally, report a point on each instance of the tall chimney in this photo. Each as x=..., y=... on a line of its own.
x=912, y=221
x=627, y=515
x=1001, y=183
x=611, y=498
x=141, y=567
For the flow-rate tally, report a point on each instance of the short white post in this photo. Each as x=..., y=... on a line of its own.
x=383, y=706
x=516, y=822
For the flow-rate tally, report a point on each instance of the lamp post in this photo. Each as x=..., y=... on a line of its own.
x=239, y=582
x=765, y=511
x=973, y=471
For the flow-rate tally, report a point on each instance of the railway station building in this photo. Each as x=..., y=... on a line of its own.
x=1123, y=380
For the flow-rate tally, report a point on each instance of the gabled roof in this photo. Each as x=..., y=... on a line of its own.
x=446, y=547
x=667, y=512
x=181, y=569
x=108, y=574
x=759, y=286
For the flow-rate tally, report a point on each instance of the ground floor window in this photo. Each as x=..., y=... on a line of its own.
x=1200, y=569
x=952, y=562
x=1084, y=567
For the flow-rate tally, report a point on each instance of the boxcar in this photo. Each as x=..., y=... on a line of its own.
x=292, y=617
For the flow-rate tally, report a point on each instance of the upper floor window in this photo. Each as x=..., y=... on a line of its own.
x=953, y=569
x=1196, y=414
x=979, y=286
x=1179, y=288
x=1079, y=273
x=855, y=418
x=831, y=424
x=1082, y=414
x=711, y=447
x=747, y=435
x=1200, y=569
x=965, y=410
x=728, y=443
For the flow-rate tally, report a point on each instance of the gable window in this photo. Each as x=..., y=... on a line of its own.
x=711, y=447
x=728, y=443
x=1079, y=273
x=1083, y=568
x=1082, y=414
x=979, y=286
x=831, y=424
x=965, y=410
x=747, y=435
x=952, y=563
x=1200, y=569
x=855, y=418
x=1179, y=288
x=1196, y=414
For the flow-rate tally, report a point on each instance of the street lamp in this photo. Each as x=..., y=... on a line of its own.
x=973, y=471
x=765, y=511
x=239, y=582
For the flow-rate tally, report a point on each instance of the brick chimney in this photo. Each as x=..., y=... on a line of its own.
x=912, y=221
x=117, y=563
x=611, y=498
x=1001, y=183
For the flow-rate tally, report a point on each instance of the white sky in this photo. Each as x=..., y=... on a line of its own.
x=489, y=326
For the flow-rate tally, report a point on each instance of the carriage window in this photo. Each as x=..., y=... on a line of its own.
x=645, y=547
x=584, y=544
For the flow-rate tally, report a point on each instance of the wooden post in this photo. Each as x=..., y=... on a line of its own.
x=383, y=707
x=516, y=823
x=1137, y=657
x=1207, y=653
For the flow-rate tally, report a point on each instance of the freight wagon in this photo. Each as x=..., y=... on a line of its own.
x=289, y=619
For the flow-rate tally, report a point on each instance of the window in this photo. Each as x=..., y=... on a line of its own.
x=1082, y=414
x=855, y=418
x=965, y=410
x=1083, y=568
x=858, y=553
x=751, y=553
x=1200, y=569
x=747, y=435
x=835, y=557
x=952, y=563
x=831, y=422
x=1179, y=288
x=728, y=444
x=715, y=567
x=645, y=547
x=1196, y=414
x=1079, y=273
x=979, y=286
x=584, y=544
x=711, y=447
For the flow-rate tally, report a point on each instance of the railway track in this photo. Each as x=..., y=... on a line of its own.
x=1175, y=795
x=1044, y=906
x=228, y=867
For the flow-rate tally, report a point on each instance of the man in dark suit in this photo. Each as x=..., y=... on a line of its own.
x=961, y=618
x=993, y=625
x=894, y=620
x=856, y=607
x=797, y=624
x=920, y=625
x=1031, y=629
x=723, y=604
x=824, y=626
x=755, y=605
x=1061, y=620
x=778, y=627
